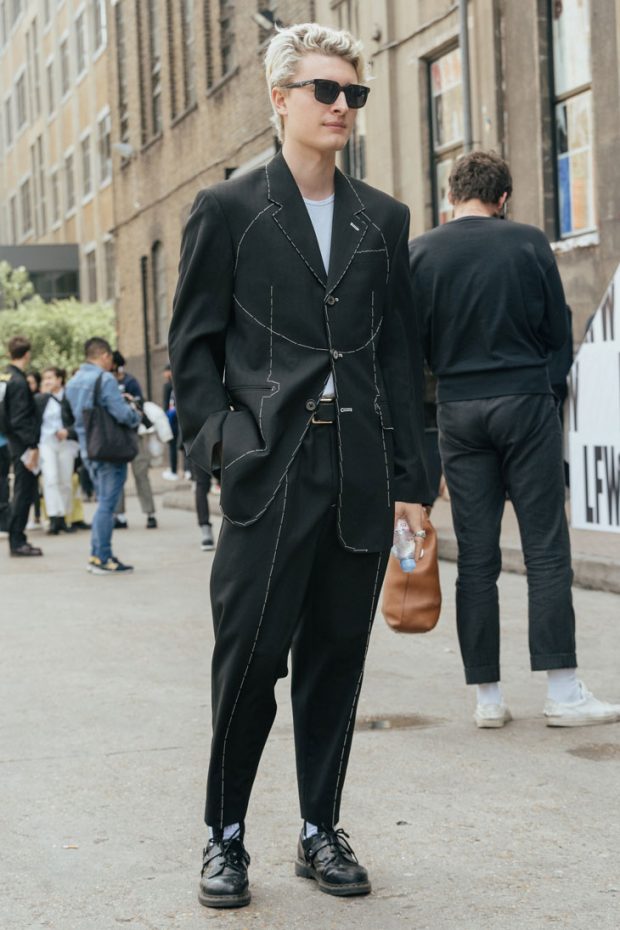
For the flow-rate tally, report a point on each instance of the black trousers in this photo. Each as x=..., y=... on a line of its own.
x=286, y=584
x=5, y=468
x=203, y=486
x=490, y=448
x=24, y=489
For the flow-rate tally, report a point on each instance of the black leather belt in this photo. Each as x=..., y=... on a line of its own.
x=325, y=413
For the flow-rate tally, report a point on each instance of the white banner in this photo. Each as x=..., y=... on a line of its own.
x=594, y=420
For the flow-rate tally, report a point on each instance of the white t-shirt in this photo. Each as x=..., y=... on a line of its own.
x=52, y=418
x=321, y=213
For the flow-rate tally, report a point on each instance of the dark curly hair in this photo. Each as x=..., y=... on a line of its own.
x=481, y=176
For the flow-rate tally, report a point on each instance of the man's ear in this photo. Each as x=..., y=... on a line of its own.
x=278, y=98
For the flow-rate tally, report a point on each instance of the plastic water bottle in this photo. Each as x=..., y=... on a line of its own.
x=404, y=545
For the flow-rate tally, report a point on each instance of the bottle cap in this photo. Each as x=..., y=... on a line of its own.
x=407, y=565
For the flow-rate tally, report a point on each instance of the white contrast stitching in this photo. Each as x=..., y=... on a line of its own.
x=357, y=689
x=348, y=265
x=377, y=396
x=265, y=396
x=301, y=255
x=387, y=254
x=348, y=180
x=247, y=229
x=253, y=650
x=340, y=456
x=275, y=332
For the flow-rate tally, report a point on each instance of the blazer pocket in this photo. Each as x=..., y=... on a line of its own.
x=240, y=437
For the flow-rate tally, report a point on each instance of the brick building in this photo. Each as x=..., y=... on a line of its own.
x=55, y=138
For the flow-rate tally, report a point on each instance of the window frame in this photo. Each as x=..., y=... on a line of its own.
x=445, y=152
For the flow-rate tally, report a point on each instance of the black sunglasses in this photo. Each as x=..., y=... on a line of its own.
x=325, y=91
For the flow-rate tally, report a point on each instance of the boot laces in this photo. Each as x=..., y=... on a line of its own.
x=231, y=851
x=338, y=841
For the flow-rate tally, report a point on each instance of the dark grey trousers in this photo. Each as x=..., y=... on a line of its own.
x=490, y=448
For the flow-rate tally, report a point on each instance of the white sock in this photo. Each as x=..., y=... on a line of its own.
x=490, y=693
x=310, y=829
x=228, y=832
x=562, y=685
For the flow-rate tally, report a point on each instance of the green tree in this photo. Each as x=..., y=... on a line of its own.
x=57, y=331
x=15, y=286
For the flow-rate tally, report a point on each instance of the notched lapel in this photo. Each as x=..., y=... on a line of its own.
x=292, y=216
x=348, y=230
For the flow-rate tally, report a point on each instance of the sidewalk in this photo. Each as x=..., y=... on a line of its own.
x=104, y=745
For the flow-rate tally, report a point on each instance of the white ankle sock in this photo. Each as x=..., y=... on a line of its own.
x=490, y=693
x=562, y=685
x=309, y=829
x=228, y=832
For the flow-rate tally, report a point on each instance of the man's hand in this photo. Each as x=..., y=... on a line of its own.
x=414, y=514
x=33, y=460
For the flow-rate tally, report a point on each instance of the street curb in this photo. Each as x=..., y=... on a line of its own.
x=598, y=574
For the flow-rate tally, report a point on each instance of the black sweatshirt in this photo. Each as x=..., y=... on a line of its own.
x=492, y=306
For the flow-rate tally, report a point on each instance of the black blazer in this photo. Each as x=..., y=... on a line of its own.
x=258, y=325
x=68, y=420
x=21, y=413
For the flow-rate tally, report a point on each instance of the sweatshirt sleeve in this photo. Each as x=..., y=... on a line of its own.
x=554, y=329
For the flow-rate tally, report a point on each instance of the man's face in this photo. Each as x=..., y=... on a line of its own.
x=321, y=127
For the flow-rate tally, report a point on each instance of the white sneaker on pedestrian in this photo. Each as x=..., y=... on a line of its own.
x=491, y=716
x=585, y=712
x=168, y=475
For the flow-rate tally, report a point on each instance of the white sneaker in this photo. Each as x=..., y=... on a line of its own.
x=168, y=475
x=488, y=716
x=585, y=712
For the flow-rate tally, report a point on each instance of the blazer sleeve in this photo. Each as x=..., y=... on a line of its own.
x=401, y=359
x=201, y=314
x=24, y=420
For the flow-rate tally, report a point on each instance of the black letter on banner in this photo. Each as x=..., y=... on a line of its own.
x=586, y=483
x=573, y=393
x=598, y=484
x=612, y=475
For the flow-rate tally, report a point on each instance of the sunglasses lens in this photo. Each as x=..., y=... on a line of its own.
x=326, y=91
x=356, y=95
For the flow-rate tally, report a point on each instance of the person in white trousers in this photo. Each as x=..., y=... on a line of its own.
x=57, y=449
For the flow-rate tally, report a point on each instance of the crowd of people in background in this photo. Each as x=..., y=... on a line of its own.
x=43, y=443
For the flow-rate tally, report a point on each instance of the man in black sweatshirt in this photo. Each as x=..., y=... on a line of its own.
x=22, y=430
x=490, y=295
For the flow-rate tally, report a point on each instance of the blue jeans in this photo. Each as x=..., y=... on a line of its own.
x=108, y=478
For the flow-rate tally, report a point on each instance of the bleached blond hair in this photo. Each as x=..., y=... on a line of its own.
x=289, y=45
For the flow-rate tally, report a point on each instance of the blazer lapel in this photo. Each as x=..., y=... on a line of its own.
x=292, y=216
x=348, y=230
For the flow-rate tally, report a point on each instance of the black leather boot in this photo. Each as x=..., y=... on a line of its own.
x=224, y=876
x=328, y=858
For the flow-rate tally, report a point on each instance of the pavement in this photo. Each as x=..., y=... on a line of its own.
x=104, y=742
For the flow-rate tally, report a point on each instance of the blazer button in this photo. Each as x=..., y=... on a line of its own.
x=331, y=300
x=311, y=405
x=336, y=354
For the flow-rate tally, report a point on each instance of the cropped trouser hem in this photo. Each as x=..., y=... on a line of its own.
x=482, y=674
x=561, y=660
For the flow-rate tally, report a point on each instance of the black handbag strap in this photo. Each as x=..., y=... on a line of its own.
x=97, y=392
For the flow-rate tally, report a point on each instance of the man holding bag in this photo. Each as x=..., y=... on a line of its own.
x=92, y=384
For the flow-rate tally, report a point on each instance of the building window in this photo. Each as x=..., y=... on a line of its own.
x=26, y=205
x=4, y=32
x=110, y=269
x=144, y=133
x=42, y=201
x=208, y=29
x=155, y=66
x=49, y=75
x=13, y=212
x=100, y=25
x=572, y=74
x=36, y=77
x=227, y=37
x=65, y=67
x=91, y=275
x=80, y=42
x=55, y=190
x=69, y=183
x=189, y=77
x=171, y=58
x=121, y=70
x=20, y=101
x=87, y=178
x=105, y=148
x=159, y=292
x=446, y=100
x=8, y=122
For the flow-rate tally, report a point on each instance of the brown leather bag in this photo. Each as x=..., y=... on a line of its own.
x=412, y=601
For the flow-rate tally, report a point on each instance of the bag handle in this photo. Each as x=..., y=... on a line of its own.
x=97, y=393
